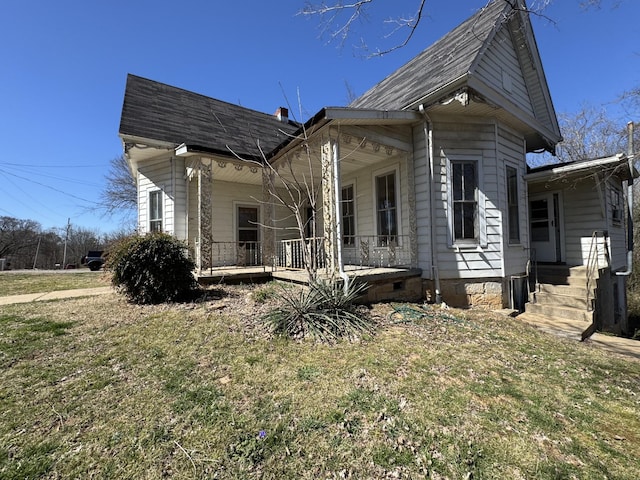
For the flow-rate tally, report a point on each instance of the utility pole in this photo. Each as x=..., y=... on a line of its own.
x=35, y=260
x=66, y=238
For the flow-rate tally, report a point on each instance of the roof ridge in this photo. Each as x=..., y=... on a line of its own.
x=437, y=52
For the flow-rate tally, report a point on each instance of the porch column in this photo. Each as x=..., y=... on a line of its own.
x=205, y=215
x=413, y=226
x=268, y=233
x=330, y=210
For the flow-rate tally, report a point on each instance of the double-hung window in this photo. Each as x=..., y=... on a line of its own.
x=512, y=205
x=465, y=200
x=155, y=211
x=387, y=209
x=348, y=216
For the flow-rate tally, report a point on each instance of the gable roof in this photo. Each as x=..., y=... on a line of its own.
x=162, y=113
x=447, y=60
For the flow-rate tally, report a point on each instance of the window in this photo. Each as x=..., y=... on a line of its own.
x=348, y=216
x=616, y=205
x=155, y=211
x=512, y=205
x=386, y=209
x=465, y=200
x=247, y=225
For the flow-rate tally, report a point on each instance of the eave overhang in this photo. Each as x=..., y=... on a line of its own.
x=618, y=164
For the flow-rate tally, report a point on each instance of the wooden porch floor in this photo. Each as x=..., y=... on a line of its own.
x=238, y=274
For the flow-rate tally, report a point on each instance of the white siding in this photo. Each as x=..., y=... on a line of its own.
x=422, y=192
x=511, y=152
x=500, y=68
x=455, y=140
x=155, y=175
x=584, y=208
x=363, y=181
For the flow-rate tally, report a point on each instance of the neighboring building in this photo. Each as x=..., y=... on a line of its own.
x=425, y=172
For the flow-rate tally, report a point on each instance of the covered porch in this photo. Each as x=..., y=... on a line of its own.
x=338, y=197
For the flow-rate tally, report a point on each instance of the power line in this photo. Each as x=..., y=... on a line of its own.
x=49, y=187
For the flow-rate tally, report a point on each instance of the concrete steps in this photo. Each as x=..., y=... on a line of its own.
x=560, y=298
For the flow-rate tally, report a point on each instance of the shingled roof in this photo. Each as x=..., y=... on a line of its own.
x=442, y=63
x=167, y=114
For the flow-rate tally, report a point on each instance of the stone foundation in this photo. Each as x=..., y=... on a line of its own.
x=487, y=293
x=408, y=289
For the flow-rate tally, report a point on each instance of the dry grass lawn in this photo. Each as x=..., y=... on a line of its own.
x=98, y=388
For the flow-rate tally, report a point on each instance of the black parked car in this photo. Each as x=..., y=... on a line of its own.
x=94, y=260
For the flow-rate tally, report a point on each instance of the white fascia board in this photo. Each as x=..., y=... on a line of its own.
x=562, y=169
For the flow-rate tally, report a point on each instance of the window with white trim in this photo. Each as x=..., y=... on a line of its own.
x=513, y=205
x=464, y=180
x=155, y=211
x=348, y=203
x=386, y=209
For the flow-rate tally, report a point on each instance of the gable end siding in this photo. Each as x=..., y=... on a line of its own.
x=500, y=68
x=451, y=140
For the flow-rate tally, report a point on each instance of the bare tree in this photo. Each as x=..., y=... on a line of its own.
x=339, y=20
x=17, y=235
x=120, y=192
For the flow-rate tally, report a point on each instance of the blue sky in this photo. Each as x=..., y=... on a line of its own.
x=64, y=66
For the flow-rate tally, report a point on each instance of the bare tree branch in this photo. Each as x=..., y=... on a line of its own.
x=120, y=192
x=338, y=20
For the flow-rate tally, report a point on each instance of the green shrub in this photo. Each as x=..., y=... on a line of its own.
x=152, y=269
x=324, y=311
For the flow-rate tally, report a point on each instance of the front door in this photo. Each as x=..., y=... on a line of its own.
x=544, y=218
x=248, y=246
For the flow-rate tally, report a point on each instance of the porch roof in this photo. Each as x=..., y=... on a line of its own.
x=619, y=164
x=346, y=116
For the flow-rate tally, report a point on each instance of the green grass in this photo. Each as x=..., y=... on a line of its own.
x=19, y=283
x=97, y=388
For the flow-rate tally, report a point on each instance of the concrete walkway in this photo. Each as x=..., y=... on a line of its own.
x=56, y=295
x=573, y=329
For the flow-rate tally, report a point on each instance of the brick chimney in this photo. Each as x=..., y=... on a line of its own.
x=282, y=114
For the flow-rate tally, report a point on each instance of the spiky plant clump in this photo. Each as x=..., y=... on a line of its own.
x=152, y=269
x=325, y=311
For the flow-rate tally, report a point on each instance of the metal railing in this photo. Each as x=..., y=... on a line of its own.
x=376, y=250
x=357, y=250
x=243, y=254
x=532, y=273
x=598, y=258
x=291, y=253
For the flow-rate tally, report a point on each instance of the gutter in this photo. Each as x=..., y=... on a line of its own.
x=630, y=155
x=428, y=139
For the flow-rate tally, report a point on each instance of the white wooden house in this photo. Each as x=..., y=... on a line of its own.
x=426, y=172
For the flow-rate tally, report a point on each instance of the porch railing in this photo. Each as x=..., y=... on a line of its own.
x=244, y=254
x=376, y=250
x=358, y=250
x=290, y=253
x=598, y=258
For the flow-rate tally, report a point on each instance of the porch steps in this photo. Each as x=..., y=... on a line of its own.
x=560, y=299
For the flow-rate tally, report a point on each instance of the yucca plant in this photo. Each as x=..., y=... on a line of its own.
x=325, y=311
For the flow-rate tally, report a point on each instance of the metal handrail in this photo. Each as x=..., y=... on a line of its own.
x=593, y=261
x=532, y=262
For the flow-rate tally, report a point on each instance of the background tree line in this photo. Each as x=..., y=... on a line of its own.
x=25, y=244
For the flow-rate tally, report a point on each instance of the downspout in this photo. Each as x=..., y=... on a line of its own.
x=629, y=269
x=338, y=236
x=428, y=139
